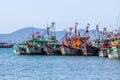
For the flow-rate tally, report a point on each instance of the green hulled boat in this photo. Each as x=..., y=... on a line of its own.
x=104, y=47
x=114, y=53
x=32, y=46
x=52, y=47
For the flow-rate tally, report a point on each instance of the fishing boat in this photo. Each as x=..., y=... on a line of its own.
x=104, y=47
x=114, y=51
x=52, y=47
x=71, y=45
x=32, y=46
x=103, y=52
x=87, y=48
x=68, y=50
x=6, y=45
x=104, y=44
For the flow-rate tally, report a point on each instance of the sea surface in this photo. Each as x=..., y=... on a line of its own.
x=24, y=67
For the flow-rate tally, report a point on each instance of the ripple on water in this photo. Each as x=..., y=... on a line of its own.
x=15, y=67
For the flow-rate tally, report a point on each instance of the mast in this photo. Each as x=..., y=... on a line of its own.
x=104, y=33
x=53, y=28
x=86, y=32
x=76, y=30
x=70, y=31
x=48, y=30
x=97, y=29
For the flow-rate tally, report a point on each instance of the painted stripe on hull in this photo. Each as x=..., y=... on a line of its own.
x=103, y=53
x=30, y=51
x=90, y=51
x=115, y=54
x=50, y=51
x=70, y=51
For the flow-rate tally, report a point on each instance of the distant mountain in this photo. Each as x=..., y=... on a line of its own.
x=25, y=33
x=20, y=35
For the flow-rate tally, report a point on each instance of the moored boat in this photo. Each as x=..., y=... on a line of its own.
x=6, y=45
x=71, y=45
x=87, y=48
x=104, y=47
x=67, y=50
x=103, y=52
x=114, y=51
x=52, y=47
x=32, y=46
x=104, y=43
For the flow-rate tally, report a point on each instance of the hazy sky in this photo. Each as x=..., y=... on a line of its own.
x=17, y=14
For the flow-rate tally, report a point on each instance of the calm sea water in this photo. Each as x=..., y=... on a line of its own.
x=16, y=67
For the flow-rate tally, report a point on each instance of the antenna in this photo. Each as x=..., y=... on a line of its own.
x=70, y=30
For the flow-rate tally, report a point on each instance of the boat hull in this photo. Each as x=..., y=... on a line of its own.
x=65, y=50
x=6, y=46
x=114, y=53
x=90, y=50
x=103, y=52
x=30, y=51
x=50, y=51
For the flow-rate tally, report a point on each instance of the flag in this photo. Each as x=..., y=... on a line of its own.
x=37, y=33
x=33, y=36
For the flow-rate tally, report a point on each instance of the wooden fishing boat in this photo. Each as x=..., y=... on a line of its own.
x=52, y=47
x=114, y=51
x=71, y=45
x=87, y=48
x=104, y=43
x=104, y=47
x=6, y=45
x=103, y=52
x=68, y=50
x=32, y=46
